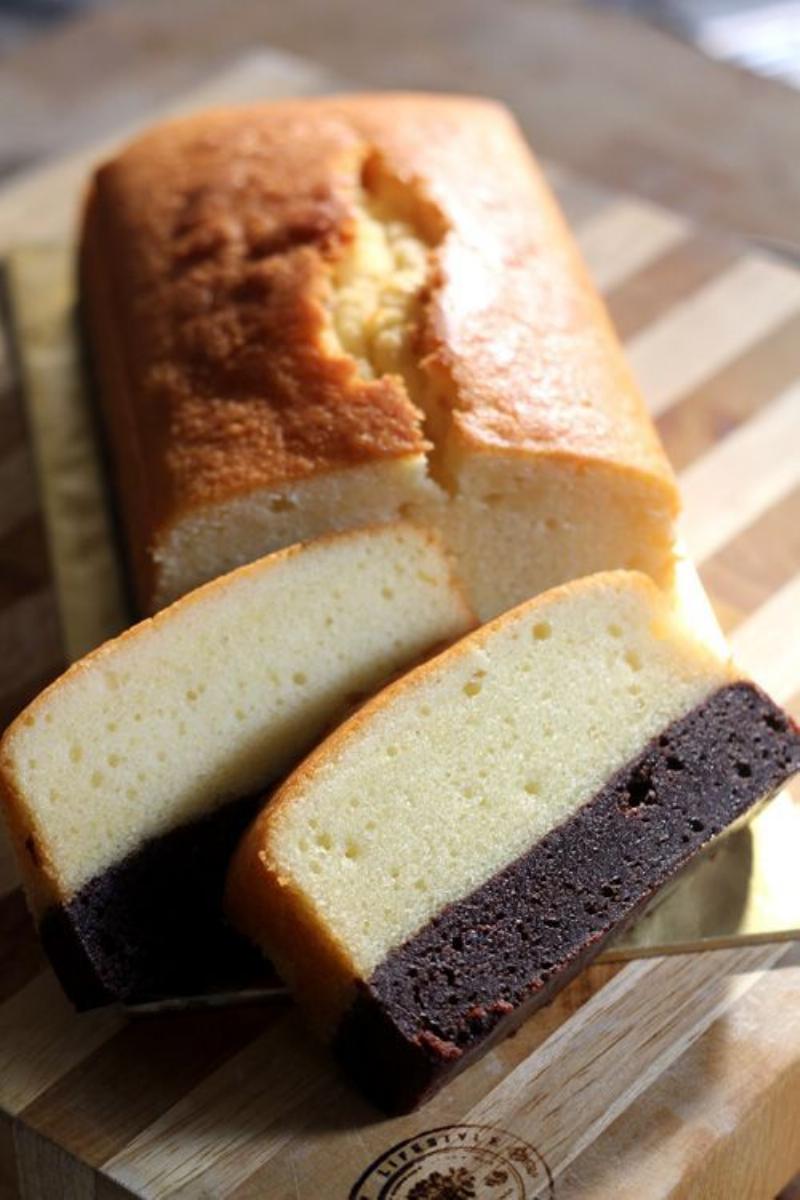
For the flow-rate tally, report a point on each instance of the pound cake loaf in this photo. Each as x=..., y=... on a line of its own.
x=311, y=315
x=128, y=782
x=455, y=852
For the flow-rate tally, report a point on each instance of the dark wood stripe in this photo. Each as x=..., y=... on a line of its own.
x=8, y=1157
x=18, y=484
x=714, y=409
x=109, y=1189
x=649, y=294
x=21, y=955
x=747, y=571
x=12, y=410
x=30, y=647
x=13, y=698
x=24, y=562
x=97, y=1108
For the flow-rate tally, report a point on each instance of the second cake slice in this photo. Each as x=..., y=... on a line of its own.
x=456, y=851
x=127, y=783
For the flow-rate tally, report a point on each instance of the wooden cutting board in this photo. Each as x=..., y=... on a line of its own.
x=673, y=1077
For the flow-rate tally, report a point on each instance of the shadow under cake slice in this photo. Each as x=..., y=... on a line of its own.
x=459, y=849
x=128, y=782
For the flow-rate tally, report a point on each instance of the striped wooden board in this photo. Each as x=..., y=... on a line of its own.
x=671, y=1077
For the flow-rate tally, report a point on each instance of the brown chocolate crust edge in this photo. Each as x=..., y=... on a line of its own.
x=487, y=961
x=151, y=927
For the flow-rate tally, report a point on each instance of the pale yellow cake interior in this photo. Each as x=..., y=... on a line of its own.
x=459, y=768
x=376, y=288
x=518, y=528
x=514, y=525
x=218, y=695
x=219, y=538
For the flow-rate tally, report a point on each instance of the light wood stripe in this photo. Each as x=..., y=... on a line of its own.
x=685, y=1137
x=678, y=352
x=732, y=396
x=230, y=1125
x=597, y=1065
x=42, y=1037
x=646, y=295
x=578, y=202
x=747, y=570
x=85, y=567
x=99, y=1106
x=767, y=645
x=625, y=237
x=742, y=476
x=310, y=1167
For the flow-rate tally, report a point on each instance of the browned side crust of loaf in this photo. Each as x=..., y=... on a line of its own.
x=207, y=247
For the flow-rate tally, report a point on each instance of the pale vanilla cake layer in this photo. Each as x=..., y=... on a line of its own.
x=514, y=530
x=517, y=528
x=460, y=767
x=219, y=539
x=217, y=695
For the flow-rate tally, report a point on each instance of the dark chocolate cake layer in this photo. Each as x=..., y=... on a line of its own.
x=151, y=927
x=506, y=949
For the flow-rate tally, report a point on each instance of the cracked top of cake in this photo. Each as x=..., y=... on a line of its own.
x=297, y=288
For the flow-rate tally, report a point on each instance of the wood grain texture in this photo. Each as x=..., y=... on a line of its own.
x=743, y=476
x=27, y=210
x=690, y=1135
x=743, y=305
x=45, y=1169
x=745, y=572
x=68, y=465
x=617, y=100
x=663, y=1078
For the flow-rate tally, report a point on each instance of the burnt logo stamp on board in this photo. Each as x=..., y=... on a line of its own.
x=457, y=1162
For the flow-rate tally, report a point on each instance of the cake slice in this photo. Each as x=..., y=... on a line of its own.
x=456, y=851
x=127, y=783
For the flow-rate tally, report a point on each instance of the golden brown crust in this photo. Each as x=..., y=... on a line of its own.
x=40, y=879
x=207, y=249
x=259, y=901
x=124, y=420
